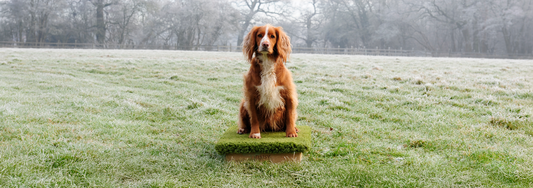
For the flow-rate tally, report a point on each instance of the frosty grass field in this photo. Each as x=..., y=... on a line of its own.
x=115, y=118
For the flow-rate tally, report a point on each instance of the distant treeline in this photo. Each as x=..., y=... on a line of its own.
x=492, y=27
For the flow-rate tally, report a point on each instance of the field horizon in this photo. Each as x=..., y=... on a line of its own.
x=151, y=118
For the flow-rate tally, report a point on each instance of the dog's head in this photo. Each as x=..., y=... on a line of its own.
x=267, y=40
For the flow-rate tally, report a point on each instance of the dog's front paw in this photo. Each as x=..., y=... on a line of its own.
x=241, y=131
x=292, y=134
x=255, y=135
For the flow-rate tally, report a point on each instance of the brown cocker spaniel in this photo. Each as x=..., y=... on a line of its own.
x=270, y=97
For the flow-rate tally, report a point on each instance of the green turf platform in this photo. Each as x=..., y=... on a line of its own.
x=270, y=142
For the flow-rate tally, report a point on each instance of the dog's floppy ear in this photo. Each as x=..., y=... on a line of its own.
x=249, y=44
x=283, y=45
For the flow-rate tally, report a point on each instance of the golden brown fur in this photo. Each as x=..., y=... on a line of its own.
x=270, y=98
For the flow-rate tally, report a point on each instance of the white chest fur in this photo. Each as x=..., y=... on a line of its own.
x=270, y=97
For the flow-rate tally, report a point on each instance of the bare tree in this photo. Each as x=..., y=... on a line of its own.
x=304, y=24
x=311, y=23
x=100, y=22
x=513, y=22
x=82, y=20
x=253, y=7
x=30, y=18
x=122, y=17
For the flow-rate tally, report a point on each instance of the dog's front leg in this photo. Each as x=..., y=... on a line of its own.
x=252, y=110
x=291, y=116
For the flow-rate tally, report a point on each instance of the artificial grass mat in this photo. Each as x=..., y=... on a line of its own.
x=270, y=142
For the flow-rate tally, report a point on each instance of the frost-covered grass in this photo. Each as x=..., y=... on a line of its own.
x=151, y=118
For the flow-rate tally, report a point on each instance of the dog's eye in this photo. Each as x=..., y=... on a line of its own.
x=260, y=35
x=272, y=36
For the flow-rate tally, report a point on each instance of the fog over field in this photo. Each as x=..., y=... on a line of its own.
x=117, y=118
x=455, y=28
